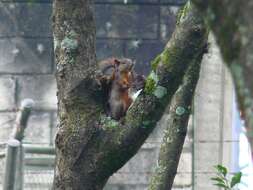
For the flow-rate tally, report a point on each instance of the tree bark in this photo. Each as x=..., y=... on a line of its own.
x=90, y=147
x=232, y=24
x=176, y=130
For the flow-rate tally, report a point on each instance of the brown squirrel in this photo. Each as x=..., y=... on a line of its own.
x=117, y=80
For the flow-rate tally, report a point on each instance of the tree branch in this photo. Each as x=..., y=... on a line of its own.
x=176, y=130
x=231, y=22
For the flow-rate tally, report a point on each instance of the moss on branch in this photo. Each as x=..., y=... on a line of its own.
x=176, y=130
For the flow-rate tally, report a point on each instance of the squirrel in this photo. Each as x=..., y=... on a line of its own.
x=118, y=82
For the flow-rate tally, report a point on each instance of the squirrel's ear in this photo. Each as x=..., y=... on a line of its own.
x=116, y=61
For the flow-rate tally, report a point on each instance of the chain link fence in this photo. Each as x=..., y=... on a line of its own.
x=38, y=170
x=38, y=180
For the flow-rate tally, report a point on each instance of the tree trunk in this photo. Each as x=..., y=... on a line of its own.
x=232, y=24
x=90, y=147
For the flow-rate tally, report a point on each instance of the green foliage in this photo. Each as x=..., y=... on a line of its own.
x=221, y=169
x=223, y=180
x=236, y=179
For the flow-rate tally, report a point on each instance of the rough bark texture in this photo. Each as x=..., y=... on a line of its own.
x=90, y=147
x=231, y=22
x=176, y=130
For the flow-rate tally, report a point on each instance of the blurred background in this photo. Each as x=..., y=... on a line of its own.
x=137, y=29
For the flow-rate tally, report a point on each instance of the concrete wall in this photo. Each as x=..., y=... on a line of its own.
x=139, y=30
x=213, y=139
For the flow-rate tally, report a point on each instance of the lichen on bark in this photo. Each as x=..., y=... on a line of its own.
x=176, y=129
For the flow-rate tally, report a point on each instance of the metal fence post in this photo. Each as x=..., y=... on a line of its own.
x=18, y=133
x=22, y=119
x=20, y=169
x=10, y=165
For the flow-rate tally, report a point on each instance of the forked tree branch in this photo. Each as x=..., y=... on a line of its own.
x=90, y=147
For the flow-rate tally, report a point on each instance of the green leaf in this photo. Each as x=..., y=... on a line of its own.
x=218, y=179
x=221, y=185
x=236, y=179
x=221, y=169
